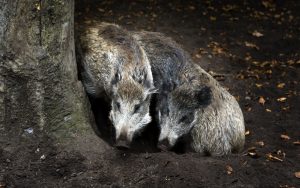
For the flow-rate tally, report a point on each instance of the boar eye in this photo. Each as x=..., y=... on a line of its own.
x=186, y=119
x=182, y=119
x=136, y=108
x=117, y=106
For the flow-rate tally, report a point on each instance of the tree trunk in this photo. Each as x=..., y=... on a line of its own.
x=42, y=103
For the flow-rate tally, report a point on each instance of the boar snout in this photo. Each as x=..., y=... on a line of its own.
x=164, y=144
x=122, y=141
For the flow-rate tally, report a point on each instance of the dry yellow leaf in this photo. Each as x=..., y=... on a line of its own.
x=280, y=85
x=297, y=174
x=281, y=99
x=280, y=153
x=285, y=137
x=296, y=142
x=269, y=71
x=229, y=7
x=247, y=58
x=38, y=6
x=261, y=100
x=192, y=7
x=251, y=45
x=253, y=154
x=273, y=158
x=260, y=143
x=101, y=10
x=267, y=4
x=247, y=132
x=257, y=34
x=259, y=85
x=285, y=108
x=229, y=169
x=198, y=56
x=212, y=18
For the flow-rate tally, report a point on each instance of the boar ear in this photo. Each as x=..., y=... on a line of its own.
x=203, y=95
x=192, y=98
x=152, y=90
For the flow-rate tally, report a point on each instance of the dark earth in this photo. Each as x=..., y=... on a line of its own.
x=252, y=47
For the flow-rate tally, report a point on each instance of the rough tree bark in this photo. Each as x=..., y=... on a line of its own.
x=41, y=100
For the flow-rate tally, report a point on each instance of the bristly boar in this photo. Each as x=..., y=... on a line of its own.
x=192, y=107
x=113, y=66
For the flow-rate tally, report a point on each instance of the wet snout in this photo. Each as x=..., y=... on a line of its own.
x=122, y=141
x=164, y=144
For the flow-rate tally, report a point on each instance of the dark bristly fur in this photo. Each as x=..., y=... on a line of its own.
x=190, y=102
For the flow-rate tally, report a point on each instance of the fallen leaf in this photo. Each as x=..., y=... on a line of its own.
x=240, y=76
x=38, y=6
x=216, y=48
x=260, y=143
x=212, y=18
x=192, y=7
x=251, y=45
x=259, y=85
x=247, y=132
x=198, y=56
x=281, y=99
x=261, y=100
x=227, y=8
x=296, y=142
x=285, y=137
x=253, y=154
x=269, y=71
x=297, y=174
x=273, y=158
x=248, y=57
x=101, y=10
x=268, y=110
x=280, y=153
x=229, y=169
x=43, y=157
x=257, y=34
x=280, y=85
x=267, y=4
x=285, y=108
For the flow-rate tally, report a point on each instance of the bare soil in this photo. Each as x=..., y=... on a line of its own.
x=252, y=47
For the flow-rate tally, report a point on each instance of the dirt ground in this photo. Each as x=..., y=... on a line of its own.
x=253, y=49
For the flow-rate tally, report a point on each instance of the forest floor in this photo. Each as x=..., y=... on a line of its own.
x=253, y=49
